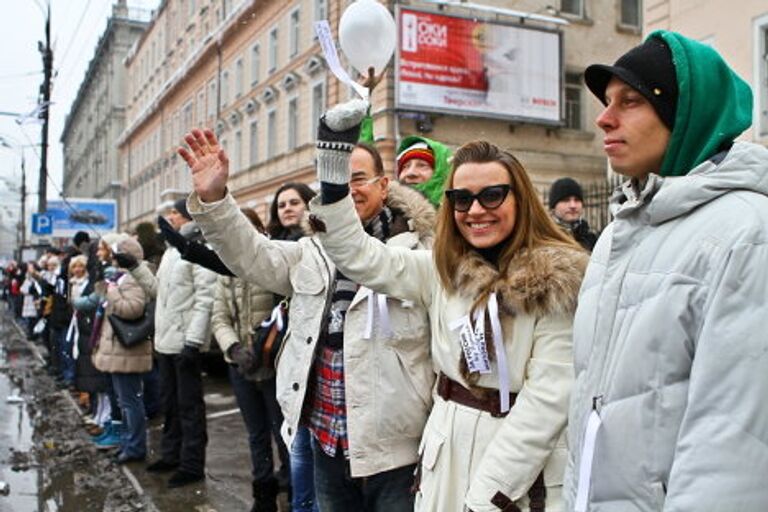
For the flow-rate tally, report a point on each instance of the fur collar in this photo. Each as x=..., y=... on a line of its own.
x=541, y=281
x=417, y=210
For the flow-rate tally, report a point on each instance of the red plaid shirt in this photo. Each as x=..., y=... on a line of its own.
x=328, y=415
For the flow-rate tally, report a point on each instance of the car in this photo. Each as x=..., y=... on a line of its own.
x=88, y=217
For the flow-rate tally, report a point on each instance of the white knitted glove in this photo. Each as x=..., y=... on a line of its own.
x=337, y=134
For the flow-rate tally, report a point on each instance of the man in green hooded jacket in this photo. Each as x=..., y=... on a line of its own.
x=423, y=164
x=668, y=411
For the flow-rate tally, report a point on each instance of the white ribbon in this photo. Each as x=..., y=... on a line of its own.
x=73, y=334
x=275, y=317
x=501, y=354
x=376, y=299
x=585, y=466
x=325, y=38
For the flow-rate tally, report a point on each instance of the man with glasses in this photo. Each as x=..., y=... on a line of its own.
x=356, y=367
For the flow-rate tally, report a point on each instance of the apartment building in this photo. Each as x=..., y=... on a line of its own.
x=739, y=34
x=254, y=72
x=97, y=116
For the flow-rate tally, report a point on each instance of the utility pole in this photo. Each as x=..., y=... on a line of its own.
x=23, y=219
x=45, y=93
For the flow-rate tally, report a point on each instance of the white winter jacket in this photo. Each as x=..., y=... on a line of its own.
x=670, y=347
x=184, y=293
x=388, y=378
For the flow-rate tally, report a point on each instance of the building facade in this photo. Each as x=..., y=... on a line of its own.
x=254, y=73
x=97, y=116
x=739, y=34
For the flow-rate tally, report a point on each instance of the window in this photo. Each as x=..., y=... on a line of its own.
x=253, y=143
x=255, y=64
x=273, y=49
x=237, y=151
x=321, y=10
x=271, y=134
x=200, y=107
x=318, y=102
x=294, y=34
x=239, y=78
x=211, y=99
x=187, y=121
x=293, y=123
x=761, y=74
x=630, y=13
x=572, y=7
x=573, y=102
x=224, y=88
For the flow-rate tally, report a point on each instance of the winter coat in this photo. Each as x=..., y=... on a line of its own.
x=32, y=291
x=237, y=308
x=388, y=378
x=184, y=293
x=670, y=345
x=467, y=455
x=127, y=300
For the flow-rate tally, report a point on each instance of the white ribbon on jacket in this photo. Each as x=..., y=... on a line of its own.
x=275, y=317
x=380, y=300
x=73, y=334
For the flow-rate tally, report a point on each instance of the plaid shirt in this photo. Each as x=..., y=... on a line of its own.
x=328, y=415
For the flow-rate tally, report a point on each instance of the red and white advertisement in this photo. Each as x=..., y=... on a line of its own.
x=460, y=65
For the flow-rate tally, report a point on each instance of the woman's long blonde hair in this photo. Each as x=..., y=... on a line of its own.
x=533, y=225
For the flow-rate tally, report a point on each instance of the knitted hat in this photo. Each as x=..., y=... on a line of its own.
x=647, y=68
x=417, y=150
x=562, y=189
x=80, y=237
x=181, y=206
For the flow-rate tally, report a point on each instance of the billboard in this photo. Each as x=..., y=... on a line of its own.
x=467, y=66
x=92, y=215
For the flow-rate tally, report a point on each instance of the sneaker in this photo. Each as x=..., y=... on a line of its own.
x=105, y=430
x=109, y=442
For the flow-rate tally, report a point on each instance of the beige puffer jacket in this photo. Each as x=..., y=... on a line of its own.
x=237, y=308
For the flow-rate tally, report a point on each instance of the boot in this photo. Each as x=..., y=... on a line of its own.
x=265, y=496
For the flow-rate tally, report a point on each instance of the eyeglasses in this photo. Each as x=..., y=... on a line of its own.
x=361, y=181
x=489, y=198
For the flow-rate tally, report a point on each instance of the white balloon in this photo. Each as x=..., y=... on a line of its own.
x=367, y=34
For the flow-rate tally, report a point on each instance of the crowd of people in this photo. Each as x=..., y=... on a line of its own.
x=443, y=341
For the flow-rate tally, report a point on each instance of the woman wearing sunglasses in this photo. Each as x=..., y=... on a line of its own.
x=500, y=285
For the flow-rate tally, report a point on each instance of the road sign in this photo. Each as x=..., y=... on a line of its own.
x=42, y=224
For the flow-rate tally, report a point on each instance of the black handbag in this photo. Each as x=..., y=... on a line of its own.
x=268, y=336
x=133, y=332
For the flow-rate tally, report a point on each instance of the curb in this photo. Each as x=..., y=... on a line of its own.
x=126, y=471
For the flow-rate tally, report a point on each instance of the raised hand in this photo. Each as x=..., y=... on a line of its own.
x=208, y=162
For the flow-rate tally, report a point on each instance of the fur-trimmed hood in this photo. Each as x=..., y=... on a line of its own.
x=419, y=213
x=541, y=281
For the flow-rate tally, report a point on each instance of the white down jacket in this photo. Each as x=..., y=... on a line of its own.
x=670, y=347
x=184, y=293
x=388, y=378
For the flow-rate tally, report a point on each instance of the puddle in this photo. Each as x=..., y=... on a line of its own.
x=45, y=455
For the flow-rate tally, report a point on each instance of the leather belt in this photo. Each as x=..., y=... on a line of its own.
x=488, y=401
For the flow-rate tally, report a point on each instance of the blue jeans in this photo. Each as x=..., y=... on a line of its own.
x=337, y=491
x=302, y=473
x=133, y=442
x=262, y=417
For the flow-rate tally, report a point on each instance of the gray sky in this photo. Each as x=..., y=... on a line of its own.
x=76, y=26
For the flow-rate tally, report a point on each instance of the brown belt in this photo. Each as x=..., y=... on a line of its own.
x=487, y=401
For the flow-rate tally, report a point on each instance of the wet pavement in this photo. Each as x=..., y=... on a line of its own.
x=50, y=465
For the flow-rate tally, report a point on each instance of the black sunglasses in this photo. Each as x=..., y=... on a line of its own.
x=489, y=198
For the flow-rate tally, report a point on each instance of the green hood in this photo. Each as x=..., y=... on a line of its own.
x=714, y=104
x=432, y=189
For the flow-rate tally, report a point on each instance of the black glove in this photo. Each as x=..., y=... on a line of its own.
x=125, y=260
x=243, y=358
x=172, y=236
x=190, y=353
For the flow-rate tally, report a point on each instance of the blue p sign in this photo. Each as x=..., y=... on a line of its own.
x=42, y=224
